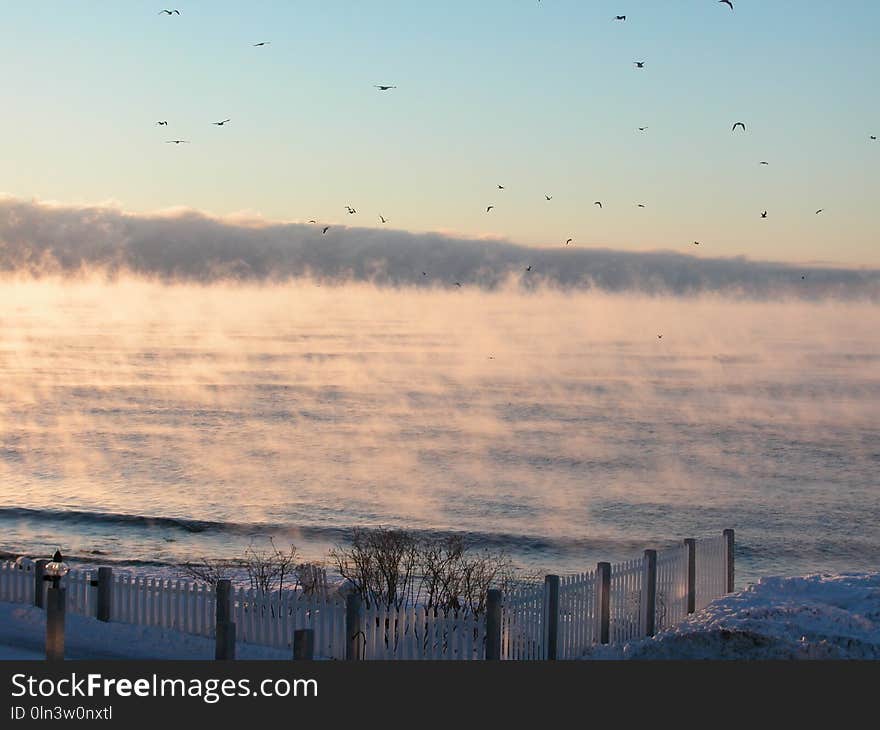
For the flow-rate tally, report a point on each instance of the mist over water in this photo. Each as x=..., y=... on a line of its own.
x=155, y=422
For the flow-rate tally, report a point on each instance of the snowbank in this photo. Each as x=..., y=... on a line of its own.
x=806, y=617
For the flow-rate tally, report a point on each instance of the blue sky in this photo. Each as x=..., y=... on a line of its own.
x=539, y=97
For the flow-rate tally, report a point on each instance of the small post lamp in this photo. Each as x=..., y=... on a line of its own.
x=54, y=571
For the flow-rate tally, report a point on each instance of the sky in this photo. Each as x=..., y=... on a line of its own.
x=540, y=97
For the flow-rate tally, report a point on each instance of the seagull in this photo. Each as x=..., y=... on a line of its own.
x=738, y=124
x=351, y=211
x=727, y=2
x=642, y=129
x=659, y=337
x=501, y=187
x=549, y=197
x=620, y=17
x=326, y=228
x=568, y=241
x=168, y=12
x=220, y=124
x=177, y=141
x=162, y=124
x=384, y=88
x=819, y=211
x=382, y=218
x=262, y=43
x=764, y=214
x=696, y=243
x=874, y=137
x=598, y=203
x=639, y=64
x=489, y=208
x=762, y=162
x=529, y=267
x=640, y=205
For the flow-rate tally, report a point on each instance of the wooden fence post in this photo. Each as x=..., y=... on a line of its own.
x=105, y=592
x=691, y=544
x=551, y=616
x=225, y=627
x=603, y=602
x=39, y=583
x=355, y=638
x=55, y=605
x=728, y=558
x=304, y=644
x=648, y=602
x=493, y=624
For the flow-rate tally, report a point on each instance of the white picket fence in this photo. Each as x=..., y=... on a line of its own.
x=411, y=632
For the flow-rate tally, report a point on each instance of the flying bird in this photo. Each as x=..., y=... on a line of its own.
x=177, y=141
x=162, y=124
x=696, y=243
x=168, y=12
x=313, y=221
x=384, y=88
x=457, y=284
x=726, y=2
x=326, y=228
x=819, y=211
x=762, y=162
x=382, y=218
x=764, y=214
x=549, y=197
x=659, y=337
x=642, y=129
x=640, y=205
x=262, y=43
x=874, y=137
x=639, y=64
x=529, y=267
x=501, y=187
x=738, y=124
x=351, y=211
x=220, y=124
x=620, y=17
x=489, y=208
x=568, y=241
x=598, y=203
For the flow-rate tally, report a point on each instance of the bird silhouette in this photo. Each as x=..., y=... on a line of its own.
x=501, y=187
x=168, y=12
x=488, y=208
x=424, y=273
x=549, y=197
x=177, y=141
x=382, y=218
x=220, y=124
x=351, y=211
x=874, y=137
x=162, y=124
x=639, y=64
x=326, y=228
x=620, y=17
x=640, y=205
x=738, y=124
x=819, y=211
x=262, y=43
x=642, y=129
x=726, y=2
x=384, y=88
x=696, y=243
x=568, y=241
x=764, y=214
x=762, y=162
x=659, y=337
x=457, y=284
x=313, y=221
x=529, y=267
x=599, y=203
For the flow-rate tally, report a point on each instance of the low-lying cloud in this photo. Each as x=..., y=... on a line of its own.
x=38, y=239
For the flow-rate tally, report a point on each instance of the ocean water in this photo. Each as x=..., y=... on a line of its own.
x=144, y=424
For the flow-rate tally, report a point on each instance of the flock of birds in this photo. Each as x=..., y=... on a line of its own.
x=489, y=208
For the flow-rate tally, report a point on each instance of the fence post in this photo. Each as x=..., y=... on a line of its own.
x=304, y=644
x=355, y=638
x=603, y=602
x=39, y=583
x=728, y=558
x=225, y=628
x=691, y=544
x=493, y=624
x=55, y=605
x=105, y=592
x=648, y=602
x=551, y=616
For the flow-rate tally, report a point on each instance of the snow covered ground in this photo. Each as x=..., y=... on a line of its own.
x=807, y=617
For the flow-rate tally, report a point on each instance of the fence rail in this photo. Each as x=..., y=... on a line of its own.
x=561, y=619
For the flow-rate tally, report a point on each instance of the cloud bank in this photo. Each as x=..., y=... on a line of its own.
x=38, y=239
